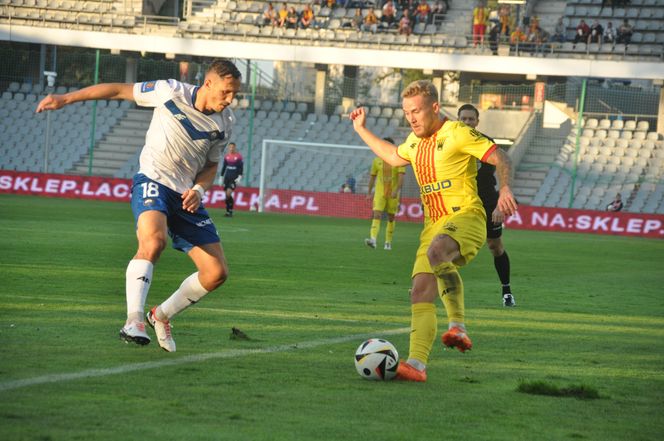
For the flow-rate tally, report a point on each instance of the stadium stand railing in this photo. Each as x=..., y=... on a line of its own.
x=243, y=19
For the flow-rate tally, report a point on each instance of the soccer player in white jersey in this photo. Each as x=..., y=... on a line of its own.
x=183, y=146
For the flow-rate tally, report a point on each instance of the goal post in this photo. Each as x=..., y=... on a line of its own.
x=309, y=177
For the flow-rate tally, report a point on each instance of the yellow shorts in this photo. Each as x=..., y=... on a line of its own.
x=467, y=227
x=388, y=205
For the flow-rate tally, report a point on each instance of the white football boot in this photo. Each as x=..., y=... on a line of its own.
x=371, y=243
x=163, y=331
x=135, y=333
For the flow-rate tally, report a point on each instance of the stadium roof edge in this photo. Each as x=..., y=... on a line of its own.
x=336, y=55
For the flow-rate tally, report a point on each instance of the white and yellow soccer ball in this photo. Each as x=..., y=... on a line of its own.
x=376, y=359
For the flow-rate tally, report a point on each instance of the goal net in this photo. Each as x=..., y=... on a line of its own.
x=314, y=178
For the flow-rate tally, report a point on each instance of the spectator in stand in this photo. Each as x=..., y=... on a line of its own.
x=350, y=183
x=616, y=204
x=625, y=32
x=494, y=36
x=405, y=26
x=307, y=17
x=582, y=32
x=283, y=15
x=596, y=32
x=480, y=16
x=559, y=31
x=438, y=11
x=517, y=39
x=331, y=4
x=292, y=18
x=539, y=39
x=504, y=18
x=610, y=34
x=370, y=23
x=533, y=24
x=270, y=15
x=388, y=17
x=356, y=21
x=423, y=11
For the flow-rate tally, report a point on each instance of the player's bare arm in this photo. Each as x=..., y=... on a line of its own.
x=106, y=91
x=397, y=189
x=506, y=202
x=383, y=149
x=192, y=198
x=372, y=181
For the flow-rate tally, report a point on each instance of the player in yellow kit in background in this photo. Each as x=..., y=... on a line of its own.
x=444, y=156
x=387, y=181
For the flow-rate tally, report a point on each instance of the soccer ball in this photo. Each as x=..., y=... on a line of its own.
x=377, y=359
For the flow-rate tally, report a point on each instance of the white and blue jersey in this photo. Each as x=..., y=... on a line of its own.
x=178, y=144
x=180, y=139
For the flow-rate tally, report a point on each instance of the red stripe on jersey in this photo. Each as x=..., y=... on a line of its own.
x=488, y=152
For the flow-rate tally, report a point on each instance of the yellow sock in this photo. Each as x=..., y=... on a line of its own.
x=450, y=289
x=375, y=228
x=423, y=329
x=389, y=231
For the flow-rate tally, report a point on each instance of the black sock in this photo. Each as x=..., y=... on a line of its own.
x=229, y=204
x=502, y=264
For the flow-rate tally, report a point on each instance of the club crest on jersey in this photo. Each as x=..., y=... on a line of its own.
x=439, y=145
x=435, y=187
x=148, y=86
x=450, y=227
x=413, y=145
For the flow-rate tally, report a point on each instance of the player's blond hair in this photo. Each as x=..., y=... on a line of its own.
x=423, y=88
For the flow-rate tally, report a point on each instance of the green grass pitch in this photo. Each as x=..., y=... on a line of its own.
x=306, y=290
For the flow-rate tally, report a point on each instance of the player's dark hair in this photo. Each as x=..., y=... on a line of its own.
x=388, y=139
x=468, y=107
x=224, y=67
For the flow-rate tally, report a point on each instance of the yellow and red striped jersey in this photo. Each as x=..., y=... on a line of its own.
x=445, y=167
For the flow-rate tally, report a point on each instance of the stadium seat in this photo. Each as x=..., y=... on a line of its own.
x=630, y=125
x=605, y=124
x=642, y=126
x=617, y=124
x=591, y=123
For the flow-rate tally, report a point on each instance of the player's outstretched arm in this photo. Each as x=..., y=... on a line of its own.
x=385, y=150
x=106, y=91
x=506, y=202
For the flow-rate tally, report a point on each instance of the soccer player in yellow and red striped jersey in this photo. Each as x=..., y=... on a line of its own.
x=444, y=156
x=387, y=181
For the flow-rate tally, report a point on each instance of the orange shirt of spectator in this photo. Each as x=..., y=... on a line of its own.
x=517, y=36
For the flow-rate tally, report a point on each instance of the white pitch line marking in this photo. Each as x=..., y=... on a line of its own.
x=234, y=353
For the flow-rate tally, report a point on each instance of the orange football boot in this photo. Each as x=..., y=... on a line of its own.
x=406, y=372
x=456, y=338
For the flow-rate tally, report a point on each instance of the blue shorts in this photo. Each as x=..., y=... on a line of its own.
x=186, y=229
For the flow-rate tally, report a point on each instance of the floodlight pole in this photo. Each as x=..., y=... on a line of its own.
x=50, y=82
x=94, y=118
x=579, y=124
x=250, y=134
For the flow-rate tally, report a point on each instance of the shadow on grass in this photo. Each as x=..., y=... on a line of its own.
x=581, y=392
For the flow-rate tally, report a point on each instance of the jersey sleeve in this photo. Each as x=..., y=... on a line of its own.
x=215, y=152
x=405, y=149
x=155, y=93
x=472, y=142
x=374, y=167
x=240, y=165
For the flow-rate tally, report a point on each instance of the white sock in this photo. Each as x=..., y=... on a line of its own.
x=189, y=292
x=459, y=325
x=417, y=364
x=139, y=279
